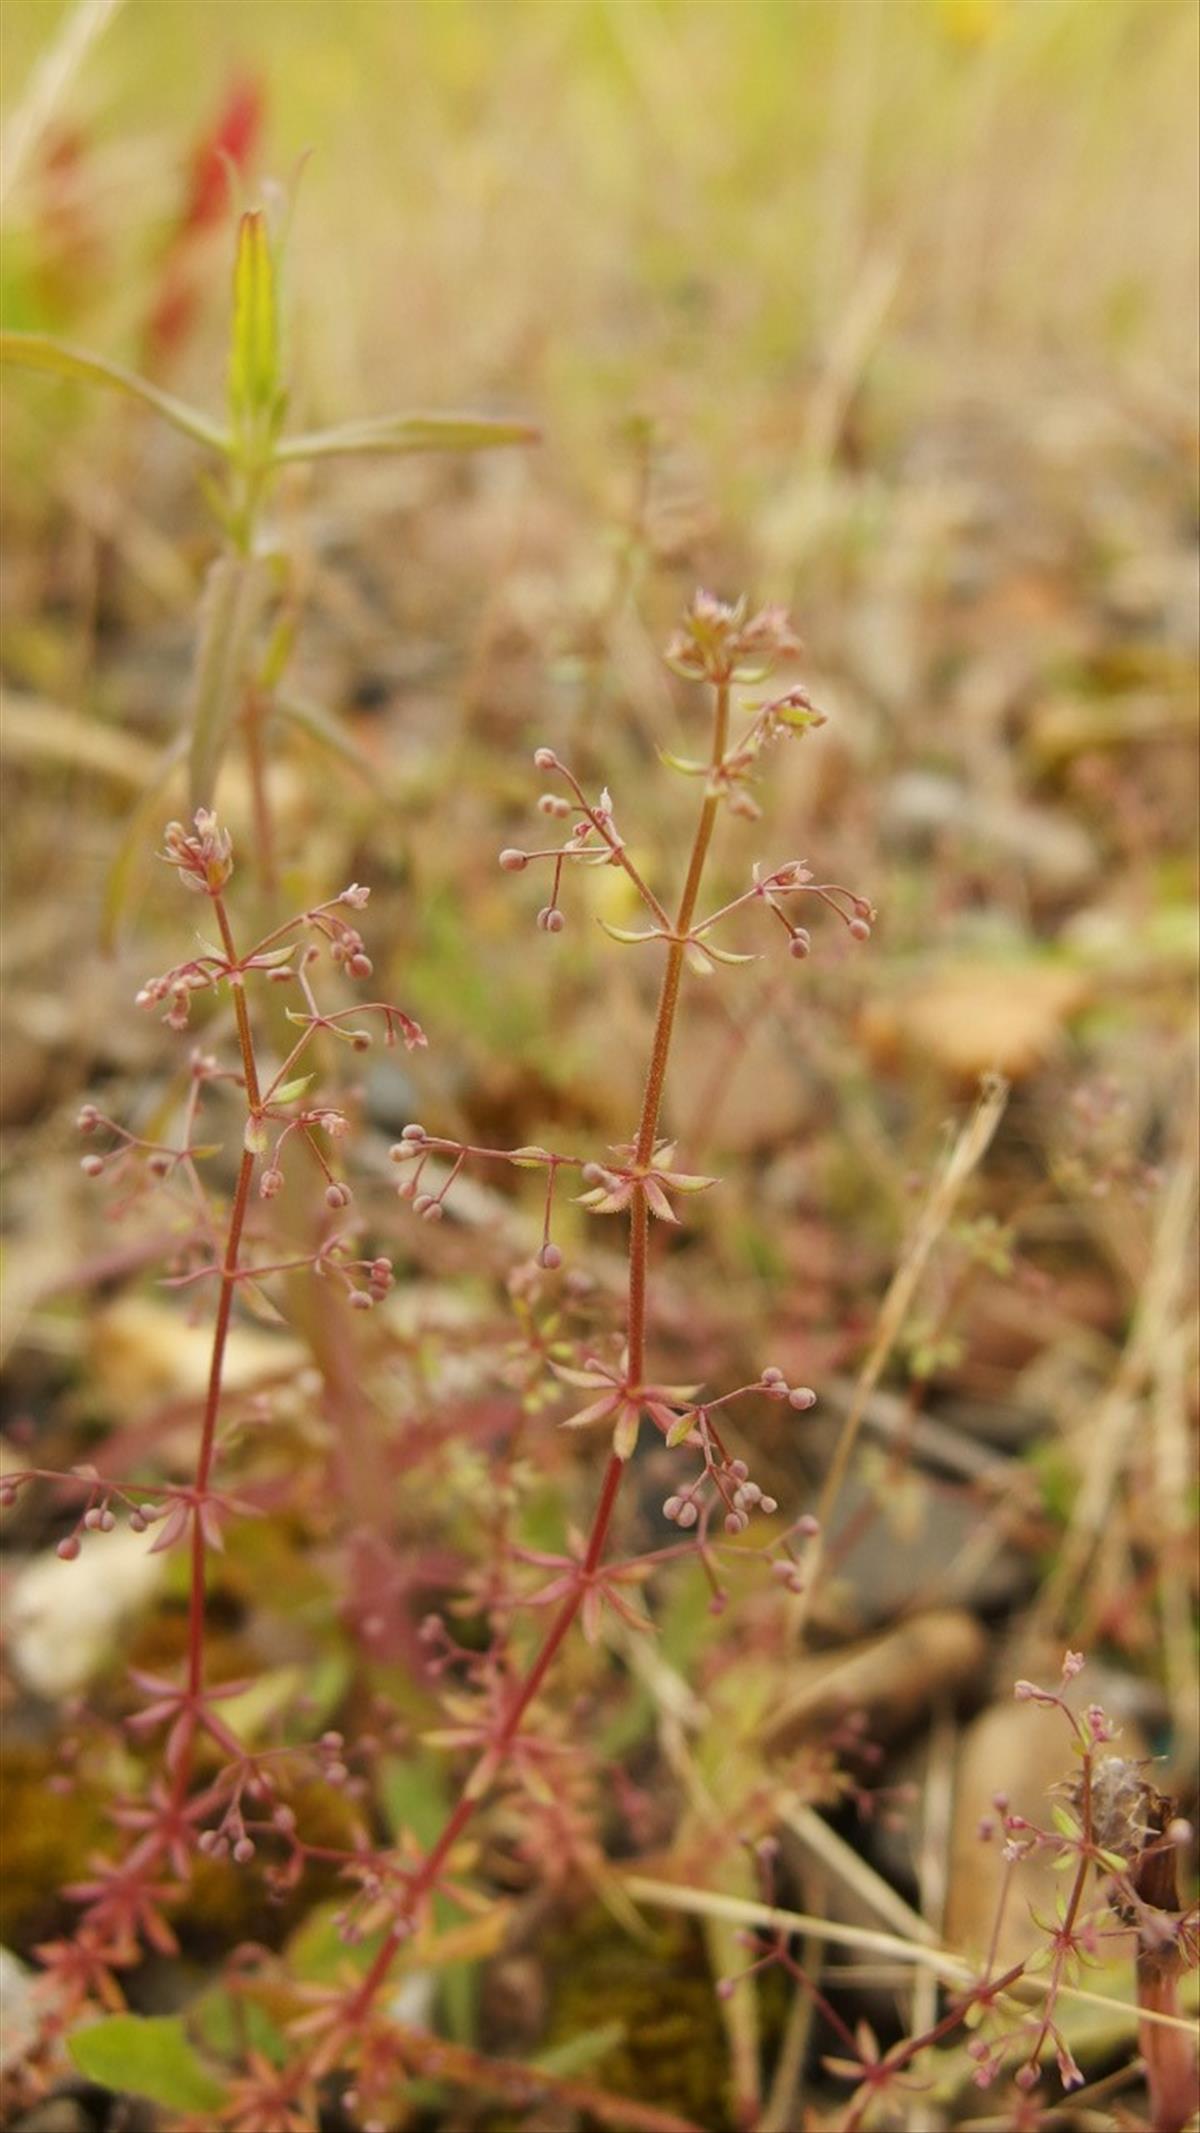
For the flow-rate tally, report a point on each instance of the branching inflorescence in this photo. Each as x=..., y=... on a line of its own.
x=489, y=1696
x=188, y=1813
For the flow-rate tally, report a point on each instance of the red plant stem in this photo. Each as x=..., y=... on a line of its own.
x=216, y=1367
x=660, y=1051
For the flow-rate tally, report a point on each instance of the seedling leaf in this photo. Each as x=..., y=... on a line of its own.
x=150, y=2055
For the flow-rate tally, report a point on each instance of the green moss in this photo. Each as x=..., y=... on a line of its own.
x=48, y=1837
x=659, y=1990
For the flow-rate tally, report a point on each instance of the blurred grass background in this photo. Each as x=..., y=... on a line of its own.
x=694, y=210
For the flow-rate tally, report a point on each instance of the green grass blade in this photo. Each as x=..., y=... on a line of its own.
x=408, y=433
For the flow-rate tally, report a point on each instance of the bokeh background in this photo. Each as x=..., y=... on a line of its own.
x=885, y=310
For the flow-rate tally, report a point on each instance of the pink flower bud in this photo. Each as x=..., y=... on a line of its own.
x=800, y=944
x=687, y=1514
x=69, y=1548
x=92, y=1165
x=672, y=1508
x=859, y=930
x=414, y=1133
x=772, y=1376
x=88, y=1119
x=337, y=1196
x=270, y=1183
x=360, y=1301
x=802, y=1397
x=550, y=919
x=512, y=860
x=550, y=1257
x=545, y=759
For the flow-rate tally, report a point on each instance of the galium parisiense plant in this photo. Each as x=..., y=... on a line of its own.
x=516, y=1764
x=242, y=1808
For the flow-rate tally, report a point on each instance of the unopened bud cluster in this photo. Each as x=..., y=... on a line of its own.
x=719, y=641
x=202, y=855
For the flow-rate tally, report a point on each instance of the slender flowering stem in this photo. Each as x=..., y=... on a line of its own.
x=212, y=1401
x=668, y=1001
x=421, y=1885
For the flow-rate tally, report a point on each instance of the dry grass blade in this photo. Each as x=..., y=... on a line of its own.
x=1108, y=1433
x=706, y=1903
x=964, y=1158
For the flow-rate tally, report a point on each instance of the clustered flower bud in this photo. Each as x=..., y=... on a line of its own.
x=347, y=949
x=203, y=855
x=776, y=1387
x=718, y=641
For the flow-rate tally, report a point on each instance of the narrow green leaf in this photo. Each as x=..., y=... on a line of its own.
x=627, y=938
x=683, y=763
x=725, y=955
x=229, y=610
x=41, y=351
x=576, y=2053
x=148, y=2055
x=408, y=433
x=292, y=1089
